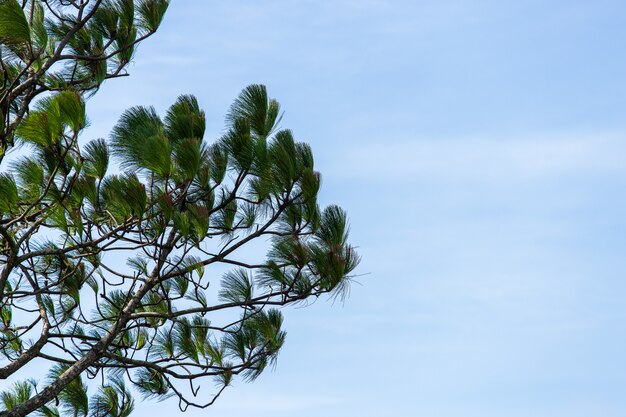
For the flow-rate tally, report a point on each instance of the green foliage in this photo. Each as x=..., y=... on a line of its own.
x=38, y=29
x=236, y=287
x=151, y=383
x=255, y=107
x=46, y=125
x=124, y=196
x=151, y=13
x=64, y=47
x=14, y=29
x=139, y=141
x=160, y=199
x=19, y=394
x=73, y=398
x=96, y=159
x=185, y=120
x=8, y=194
x=261, y=334
x=113, y=400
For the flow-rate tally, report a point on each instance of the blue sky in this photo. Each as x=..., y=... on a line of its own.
x=478, y=148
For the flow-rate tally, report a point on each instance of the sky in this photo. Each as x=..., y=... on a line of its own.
x=478, y=149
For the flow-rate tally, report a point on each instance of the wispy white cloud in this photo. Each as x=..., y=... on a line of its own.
x=491, y=158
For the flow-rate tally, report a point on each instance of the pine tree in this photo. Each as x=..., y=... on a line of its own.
x=126, y=260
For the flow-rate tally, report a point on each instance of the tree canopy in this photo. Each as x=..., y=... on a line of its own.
x=133, y=261
x=55, y=45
